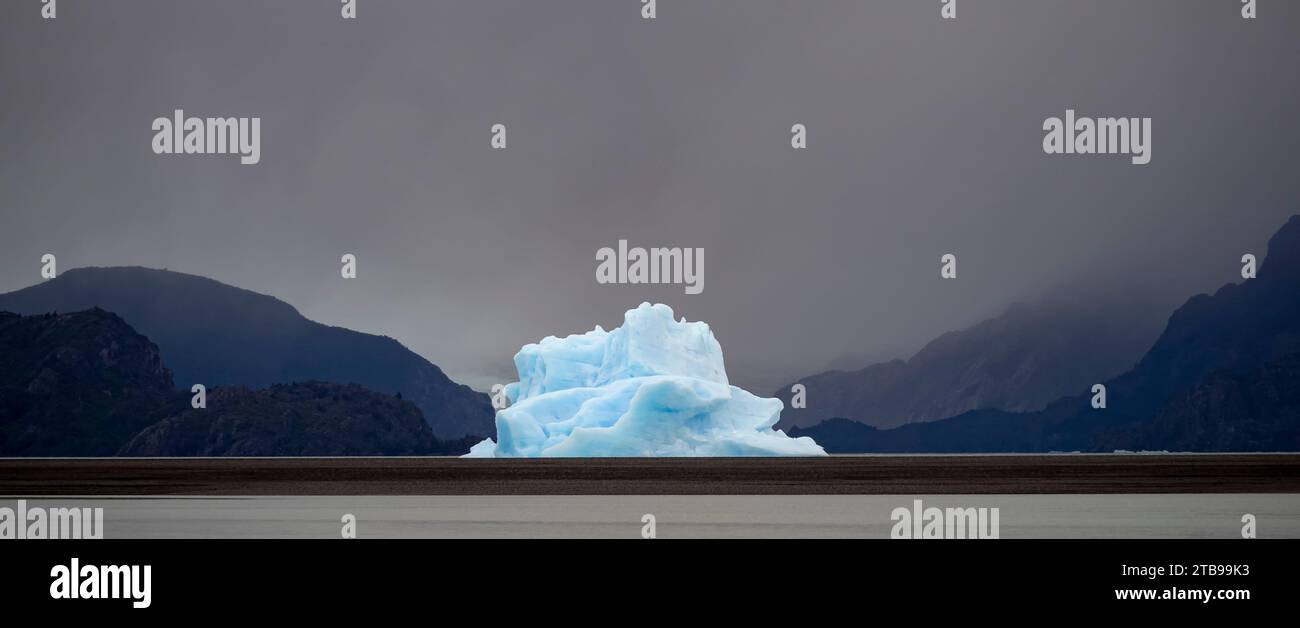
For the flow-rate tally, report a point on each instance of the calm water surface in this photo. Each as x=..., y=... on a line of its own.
x=686, y=516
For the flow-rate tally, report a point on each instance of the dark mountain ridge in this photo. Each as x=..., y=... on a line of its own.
x=218, y=335
x=300, y=419
x=86, y=384
x=76, y=384
x=1019, y=361
x=1239, y=343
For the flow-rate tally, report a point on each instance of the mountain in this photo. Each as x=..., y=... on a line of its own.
x=76, y=384
x=1239, y=328
x=1220, y=375
x=1259, y=411
x=302, y=419
x=1020, y=361
x=87, y=384
x=218, y=335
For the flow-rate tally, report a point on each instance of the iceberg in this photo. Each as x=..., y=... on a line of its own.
x=653, y=387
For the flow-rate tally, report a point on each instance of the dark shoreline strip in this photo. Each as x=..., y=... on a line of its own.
x=847, y=475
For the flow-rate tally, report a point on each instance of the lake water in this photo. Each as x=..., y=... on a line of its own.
x=680, y=516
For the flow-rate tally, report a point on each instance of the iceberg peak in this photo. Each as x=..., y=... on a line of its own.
x=655, y=386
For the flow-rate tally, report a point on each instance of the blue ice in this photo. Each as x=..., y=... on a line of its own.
x=653, y=387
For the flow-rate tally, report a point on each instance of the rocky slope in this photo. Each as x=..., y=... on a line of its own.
x=76, y=384
x=303, y=419
x=1219, y=377
x=218, y=335
x=86, y=384
x=1019, y=361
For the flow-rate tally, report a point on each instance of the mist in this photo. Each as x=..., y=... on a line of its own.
x=923, y=138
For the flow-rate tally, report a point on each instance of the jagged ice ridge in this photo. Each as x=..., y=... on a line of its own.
x=653, y=387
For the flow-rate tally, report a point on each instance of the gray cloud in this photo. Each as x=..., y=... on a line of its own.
x=924, y=138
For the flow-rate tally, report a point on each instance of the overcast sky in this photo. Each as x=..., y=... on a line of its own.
x=924, y=137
